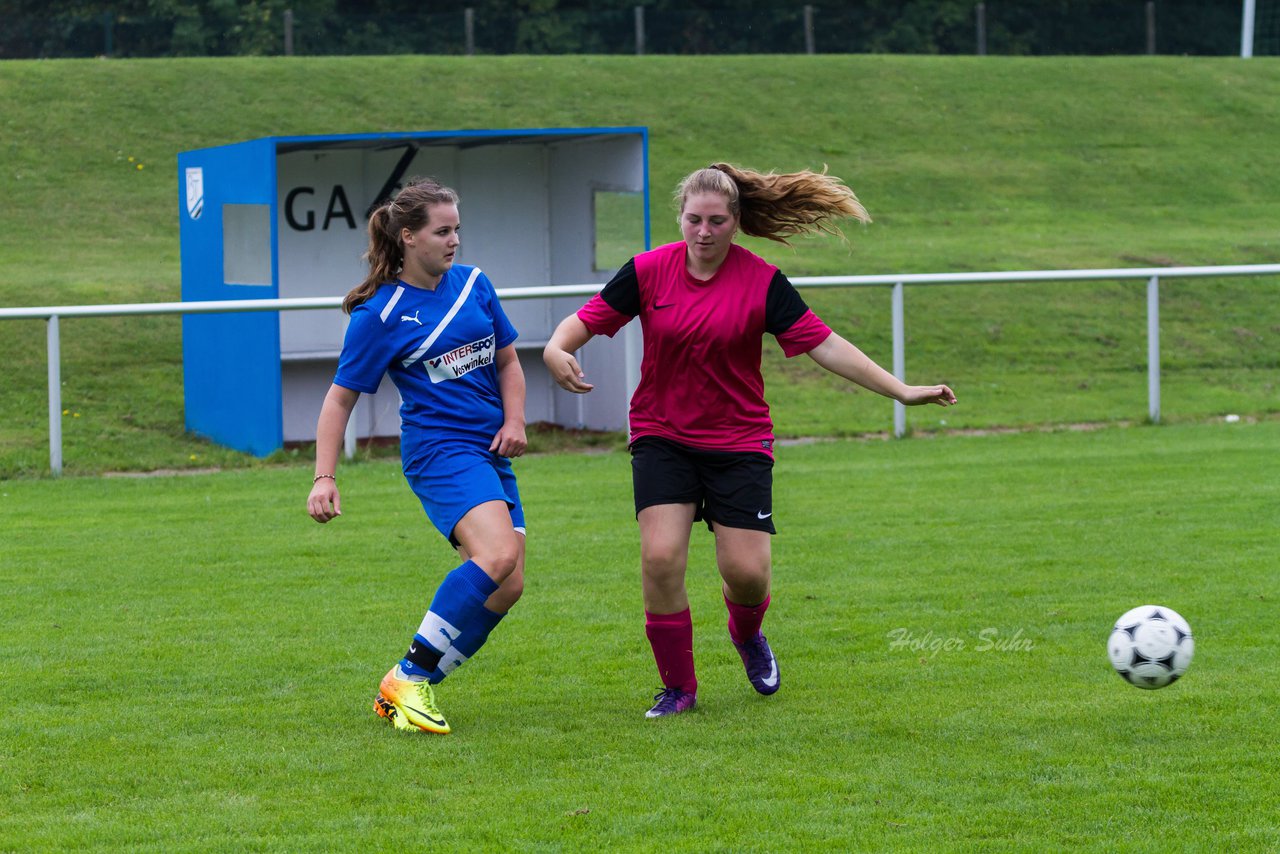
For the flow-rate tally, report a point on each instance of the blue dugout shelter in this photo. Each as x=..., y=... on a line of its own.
x=285, y=217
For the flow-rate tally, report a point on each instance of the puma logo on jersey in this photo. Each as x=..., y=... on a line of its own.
x=415, y=319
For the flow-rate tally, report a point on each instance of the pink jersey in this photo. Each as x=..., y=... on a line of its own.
x=700, y=380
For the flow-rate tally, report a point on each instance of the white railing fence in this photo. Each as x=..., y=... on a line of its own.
x=1152, y=276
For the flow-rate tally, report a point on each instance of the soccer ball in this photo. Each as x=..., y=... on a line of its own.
x=1151, y=646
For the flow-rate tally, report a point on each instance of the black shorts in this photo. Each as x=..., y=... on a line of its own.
x=726, y=487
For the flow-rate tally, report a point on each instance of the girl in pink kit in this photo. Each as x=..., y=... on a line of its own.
x=701, y=437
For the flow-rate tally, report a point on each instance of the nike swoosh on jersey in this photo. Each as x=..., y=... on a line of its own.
x=665, y=305
x=760, y=515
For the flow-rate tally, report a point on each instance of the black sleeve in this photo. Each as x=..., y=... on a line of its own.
x=623, y=291
x=783, y=305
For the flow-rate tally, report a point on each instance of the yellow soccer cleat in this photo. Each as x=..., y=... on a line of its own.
x=410, y=705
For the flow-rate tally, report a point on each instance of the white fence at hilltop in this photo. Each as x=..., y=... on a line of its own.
x=898, y=283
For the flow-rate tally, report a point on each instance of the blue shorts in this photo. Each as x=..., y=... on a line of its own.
x=451, y=479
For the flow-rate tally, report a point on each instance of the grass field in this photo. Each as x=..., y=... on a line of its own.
x=965, y=163
x=187, y=663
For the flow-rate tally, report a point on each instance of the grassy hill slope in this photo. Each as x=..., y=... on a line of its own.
x=965, y=163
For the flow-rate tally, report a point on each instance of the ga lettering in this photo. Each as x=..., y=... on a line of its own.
x=338, y=208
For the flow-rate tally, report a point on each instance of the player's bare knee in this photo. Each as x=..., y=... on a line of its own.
x=746, y=580
x=663, y=579
x=513, y=588
x=508, y=594
x=662, y=559
x=499, y=559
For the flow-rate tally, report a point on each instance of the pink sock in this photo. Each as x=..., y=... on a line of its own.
x=745, y=620
x=671, y=636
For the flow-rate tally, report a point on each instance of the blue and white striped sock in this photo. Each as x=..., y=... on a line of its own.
x=458, y=600
x=470, y=639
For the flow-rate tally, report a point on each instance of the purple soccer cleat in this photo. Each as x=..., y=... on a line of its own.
x=762, y=667
x=671, y=701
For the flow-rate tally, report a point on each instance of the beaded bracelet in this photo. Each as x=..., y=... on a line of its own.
x=331, y=477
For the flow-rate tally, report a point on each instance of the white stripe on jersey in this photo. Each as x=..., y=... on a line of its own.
x=391, y=303
x=444, y=322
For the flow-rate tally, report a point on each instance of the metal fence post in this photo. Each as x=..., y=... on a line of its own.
x=1246, y=29
x=808, y=29
x=469, y=25
x=980, y=14
x=899, y=360
x=349, y=438
x=55, y=397
x=288, y=32
x=1151, y=27
x=1153, y=349
x=639, y=31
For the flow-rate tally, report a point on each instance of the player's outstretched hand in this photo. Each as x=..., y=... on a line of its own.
x=324, y=503
x=921, y=394
x=566, y=371
x=510, y=440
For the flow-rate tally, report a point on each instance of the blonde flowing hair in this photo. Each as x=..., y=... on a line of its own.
x=410, y=208
x=777, y=206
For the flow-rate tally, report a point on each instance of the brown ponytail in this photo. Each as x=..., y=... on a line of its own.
x=777, y=206
x=411, y=209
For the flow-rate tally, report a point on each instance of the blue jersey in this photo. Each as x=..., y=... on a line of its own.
x=440, y=349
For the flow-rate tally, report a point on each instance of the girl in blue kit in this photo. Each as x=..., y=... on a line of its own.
x=438, y=330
